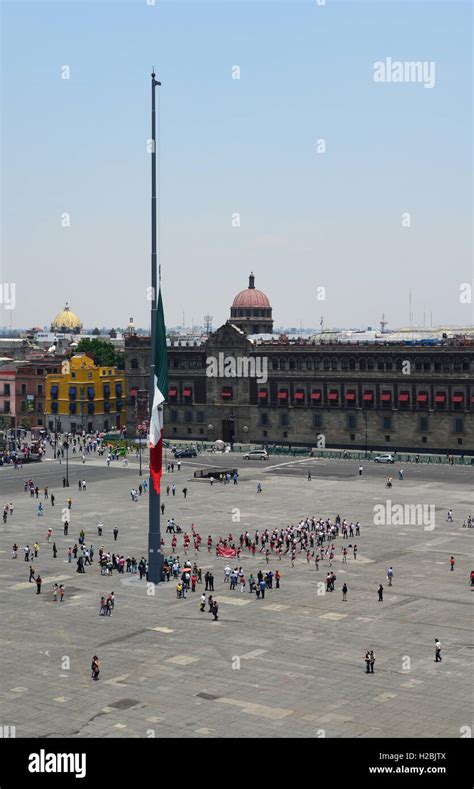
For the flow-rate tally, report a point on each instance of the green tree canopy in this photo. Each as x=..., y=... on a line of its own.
x=103, y=353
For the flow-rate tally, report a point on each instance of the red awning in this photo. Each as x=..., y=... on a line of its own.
x=404, y=397
x=172, y=391
x=458, y=398
x=422, y=397
x=299, y=395
x=187, y=392
x=282, y=395
x=368, y=396
x=316, y=395
x=226, y=393
x=263, y=394
x=386, y=397
x=333, y=395
x=350, y=395
x=440, y=398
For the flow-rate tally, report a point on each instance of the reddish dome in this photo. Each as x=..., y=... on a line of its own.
x=251, y=297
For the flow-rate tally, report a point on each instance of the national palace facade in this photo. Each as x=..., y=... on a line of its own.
x=240, y=387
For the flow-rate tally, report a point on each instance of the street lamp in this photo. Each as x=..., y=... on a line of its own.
x=365, y=415
x=232, y=429
x=66, y=447
x=141, y=429
x=245, y=431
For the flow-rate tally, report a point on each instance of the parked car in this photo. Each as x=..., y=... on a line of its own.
x=185, y=453
x=384, y=459
x=256, y=454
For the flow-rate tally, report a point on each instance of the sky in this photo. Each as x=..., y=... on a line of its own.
x=341, y=193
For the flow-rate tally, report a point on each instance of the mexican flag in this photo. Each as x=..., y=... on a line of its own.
x=160, y=394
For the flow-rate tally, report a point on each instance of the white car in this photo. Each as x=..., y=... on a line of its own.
x=257, y=454
x=384, y=459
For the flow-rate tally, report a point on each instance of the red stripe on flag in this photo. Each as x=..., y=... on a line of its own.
x=156, y=464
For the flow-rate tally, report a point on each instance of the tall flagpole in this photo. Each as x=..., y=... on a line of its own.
x=155, y=557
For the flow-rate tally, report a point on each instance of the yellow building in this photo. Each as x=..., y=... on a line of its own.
x=84, y=397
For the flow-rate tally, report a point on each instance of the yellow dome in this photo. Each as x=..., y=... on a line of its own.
x=66, y=321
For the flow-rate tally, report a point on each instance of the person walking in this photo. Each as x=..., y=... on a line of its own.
x=32, y=574
x=61, y=592
x=116, y=531
x=203, y=602
x=367, y=662
x=400, y=474
x=211, y=582
x=372, y=661
x=449, y=519
x=452, y=562
x=55, y=551
x=173, y=489
x=437, y=651
x=95, y=668
x=344, y=592
x=360, y=474
x=309, y=476
x=390, y=575
x=380, y=593
x=259, y=487
x=214, y=610
x=39, y=581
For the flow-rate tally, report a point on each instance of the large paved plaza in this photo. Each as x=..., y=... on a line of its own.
x=291, y=664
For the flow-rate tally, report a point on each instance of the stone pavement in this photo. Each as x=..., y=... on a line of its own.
x=291, y=664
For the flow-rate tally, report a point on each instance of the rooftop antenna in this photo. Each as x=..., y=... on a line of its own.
x=383, y=323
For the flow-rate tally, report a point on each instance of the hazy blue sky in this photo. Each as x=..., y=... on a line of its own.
x=308, y=219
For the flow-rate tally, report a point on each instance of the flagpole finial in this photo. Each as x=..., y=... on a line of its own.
x=153, y=76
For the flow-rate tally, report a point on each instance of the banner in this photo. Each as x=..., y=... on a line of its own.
x=226, y=553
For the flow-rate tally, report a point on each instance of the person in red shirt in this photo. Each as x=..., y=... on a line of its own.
x=452, y=562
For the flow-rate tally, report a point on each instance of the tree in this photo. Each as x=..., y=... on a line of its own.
x=103, y=353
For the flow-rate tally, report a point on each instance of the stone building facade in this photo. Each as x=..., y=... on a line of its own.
x=385, y=397
x=244, y=386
